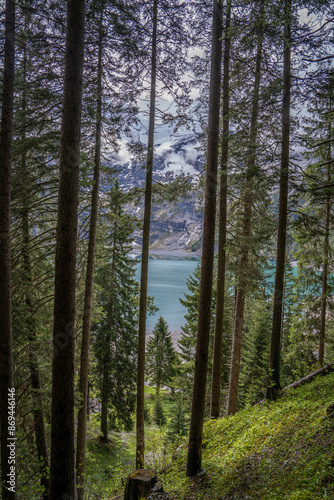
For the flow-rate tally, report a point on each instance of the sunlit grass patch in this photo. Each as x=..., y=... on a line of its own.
x=274, y=451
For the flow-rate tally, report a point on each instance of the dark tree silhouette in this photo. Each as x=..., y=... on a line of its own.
x=145, y=252
x=194, y=458
x=220, y=296
x=6, y=360
x=275, y=346
x=62, y=482
x=87, y=314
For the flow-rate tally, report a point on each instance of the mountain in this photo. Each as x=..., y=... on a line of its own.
x=176, y=226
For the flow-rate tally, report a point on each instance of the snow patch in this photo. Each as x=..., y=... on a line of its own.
x=175, y=163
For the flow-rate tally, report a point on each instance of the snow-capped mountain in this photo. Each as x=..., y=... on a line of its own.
x=175, y=226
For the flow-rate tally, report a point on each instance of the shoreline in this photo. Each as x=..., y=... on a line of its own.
x=177, y=254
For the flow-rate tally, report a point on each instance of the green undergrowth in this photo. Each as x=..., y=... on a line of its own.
x=273, y=451
x=108, y=464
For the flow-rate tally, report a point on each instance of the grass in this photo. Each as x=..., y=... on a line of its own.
x=274, y=451
x=108, y=464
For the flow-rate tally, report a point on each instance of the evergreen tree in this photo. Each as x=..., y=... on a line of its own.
x=274, y=384
x=6, y=355
x=87, y=313
x=179, y=421
x=255, y=354
x=247, y=210
x=145, y=249
x=194, y=457
x=221, y=268
x=158, y=412
x=25, y=195
x=187, y=344
x=161, y=357
x=62, y=473
x=316, y=215
x=114, y=339
x=167, y=23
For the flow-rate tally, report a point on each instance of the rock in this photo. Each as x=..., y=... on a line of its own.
x=157, y=488
x=139, y=484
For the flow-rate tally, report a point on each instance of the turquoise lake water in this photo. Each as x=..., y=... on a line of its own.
x=167, y=282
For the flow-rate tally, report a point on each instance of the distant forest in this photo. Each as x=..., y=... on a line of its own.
x=256, y=79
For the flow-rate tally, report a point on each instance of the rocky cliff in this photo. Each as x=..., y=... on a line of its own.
x=176, y=226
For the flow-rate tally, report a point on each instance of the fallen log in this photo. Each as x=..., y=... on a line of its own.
x=321, y=371
x=310, y=377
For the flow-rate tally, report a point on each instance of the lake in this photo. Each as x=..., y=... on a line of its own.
x=167, y=282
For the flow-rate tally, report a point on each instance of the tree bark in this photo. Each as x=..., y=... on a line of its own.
x=194, y=458
x=104, y=392
x=220, y=294
x=274, y=385
x=87, y=314
x=324, y=277
x=232, y=402
x=107, y=354
x=139, y=484
x=6, y=357
x=62, y=482
x=140, y=432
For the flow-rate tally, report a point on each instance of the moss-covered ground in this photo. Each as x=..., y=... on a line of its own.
x=273, y=451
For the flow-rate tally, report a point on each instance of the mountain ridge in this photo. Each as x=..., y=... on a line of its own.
x=175, y=226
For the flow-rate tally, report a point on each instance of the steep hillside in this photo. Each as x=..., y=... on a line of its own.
x=274, y=451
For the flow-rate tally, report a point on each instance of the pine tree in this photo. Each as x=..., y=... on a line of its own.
x=6, y=359
x=247, y=209
x=194, y=457
x=114, y=339
x=312, y=230
x=179, y=422
x=161, y=357
x=274, y=364
x=158, y=412
x=145, y=249
x=87, y=314
x=62, y=474
x=221, y=268
x=255, y=354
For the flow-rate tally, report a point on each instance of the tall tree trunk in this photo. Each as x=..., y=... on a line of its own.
x=232, y=402
x=140, y=447
x=87, y=314
x=6, y=359
x=104, y=391
x=324, y=277
x=220, y=294
x=35, y=378
x=194, y=458
x=274, y=385
x=106, y=364
x=62, y=482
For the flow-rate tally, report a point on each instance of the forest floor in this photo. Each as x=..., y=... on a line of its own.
x=274, y=451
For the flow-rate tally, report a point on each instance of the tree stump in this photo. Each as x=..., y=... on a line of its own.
x=139, y=484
